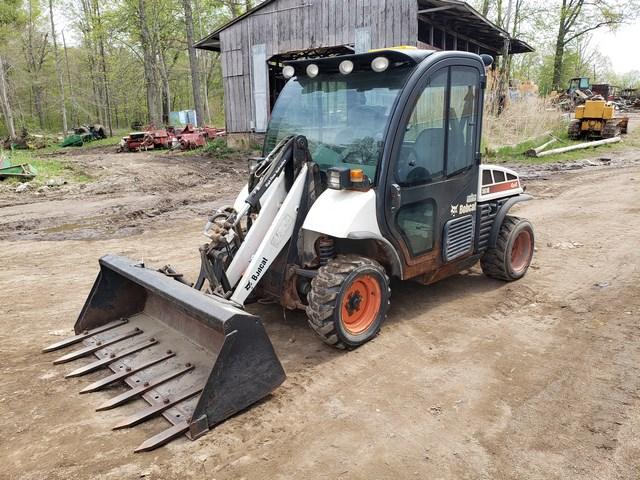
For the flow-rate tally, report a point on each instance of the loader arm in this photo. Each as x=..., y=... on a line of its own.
x=271, y=208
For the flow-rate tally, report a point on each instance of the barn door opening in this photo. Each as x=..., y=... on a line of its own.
x=275, y=64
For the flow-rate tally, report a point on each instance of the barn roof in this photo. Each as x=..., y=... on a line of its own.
x=212, y=41
x=455, y=14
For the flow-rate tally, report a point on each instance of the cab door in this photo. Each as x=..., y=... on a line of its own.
x=432, y=178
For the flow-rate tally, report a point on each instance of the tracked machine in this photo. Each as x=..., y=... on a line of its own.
x=371, y=170
x=596, y=118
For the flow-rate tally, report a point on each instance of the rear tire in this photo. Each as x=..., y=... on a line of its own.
x=348, y=301
x=511, y=257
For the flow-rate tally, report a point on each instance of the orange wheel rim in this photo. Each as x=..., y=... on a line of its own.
x=360, y=304
x=521, y=251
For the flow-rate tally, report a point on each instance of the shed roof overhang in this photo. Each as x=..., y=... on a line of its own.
x=462, y=18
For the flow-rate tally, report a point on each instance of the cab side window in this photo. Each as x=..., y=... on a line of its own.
x=440, y=136
x=462, y=122
x=422, y=153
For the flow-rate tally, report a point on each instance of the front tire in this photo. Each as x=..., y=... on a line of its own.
x=511, y=257
x=348, y=301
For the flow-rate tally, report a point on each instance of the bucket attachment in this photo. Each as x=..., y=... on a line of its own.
x=196, y=359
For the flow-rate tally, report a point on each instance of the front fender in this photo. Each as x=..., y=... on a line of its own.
x=351, y=215
x=344, y=214
x=497, y=223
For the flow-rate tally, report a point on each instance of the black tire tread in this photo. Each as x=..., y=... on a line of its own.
x=574, y=130
x=494, y=260
x=325, y=288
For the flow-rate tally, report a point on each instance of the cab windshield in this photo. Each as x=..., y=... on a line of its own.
x=344, y=117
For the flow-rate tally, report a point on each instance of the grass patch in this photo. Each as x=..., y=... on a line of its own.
x=218, y=148
x=516, y=153
x=521, y=121
x=48, y=168
x=51, y=167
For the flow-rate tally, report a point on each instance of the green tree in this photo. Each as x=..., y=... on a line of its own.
x=576, y=18
x=10, y=18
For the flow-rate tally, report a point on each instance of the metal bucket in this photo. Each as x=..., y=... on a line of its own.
x=194, y=358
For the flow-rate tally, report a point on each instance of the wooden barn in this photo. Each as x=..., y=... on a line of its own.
x=253, y=45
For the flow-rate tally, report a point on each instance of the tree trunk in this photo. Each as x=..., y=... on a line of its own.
x=485, y=8
x=38, y=103
x=166, y=89
x=63, y=99
x=557, y=61
x=4, y=102
x=559, y=50
x=92, y=54
x=103, y=66
x=149, y=66
x=35, y=52
x=193, y=63
x=502, y=88
x=74, y=112
x=203, y=65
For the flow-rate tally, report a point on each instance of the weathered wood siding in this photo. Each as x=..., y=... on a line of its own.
x=290, y=25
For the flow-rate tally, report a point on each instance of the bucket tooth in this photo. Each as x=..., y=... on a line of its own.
x=100, y=384
x=81, y=336
x=157, y=409
x=232, y=360
x=112, y=357
x=163, y=437
x=145, y=387
x=83, y=352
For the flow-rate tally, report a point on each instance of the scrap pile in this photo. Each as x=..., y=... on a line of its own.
x=28, y=141
x=146, y=140
x=629, y=99
x=186, y=138
x=580, y=91
x=84, y=134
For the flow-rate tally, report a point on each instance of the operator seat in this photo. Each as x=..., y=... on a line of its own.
x=429, y=148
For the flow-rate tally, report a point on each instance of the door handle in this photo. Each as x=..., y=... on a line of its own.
x=395, y=197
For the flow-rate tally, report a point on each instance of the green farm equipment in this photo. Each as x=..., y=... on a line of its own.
x=22, y=171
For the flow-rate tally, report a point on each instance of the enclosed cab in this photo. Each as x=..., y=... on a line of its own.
x=396, y=137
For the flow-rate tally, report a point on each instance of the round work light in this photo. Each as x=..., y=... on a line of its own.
x=312, y=70
x=288, y=71
x=346, y=67
x=379, y=64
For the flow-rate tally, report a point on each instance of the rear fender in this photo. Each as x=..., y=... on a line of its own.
x=497, y=223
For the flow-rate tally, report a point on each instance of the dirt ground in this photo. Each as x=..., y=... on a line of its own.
x=469, y=379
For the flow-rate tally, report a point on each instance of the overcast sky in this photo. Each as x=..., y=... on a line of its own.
x=622, y=47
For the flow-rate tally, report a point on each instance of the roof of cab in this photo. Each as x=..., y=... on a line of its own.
x=397, y=57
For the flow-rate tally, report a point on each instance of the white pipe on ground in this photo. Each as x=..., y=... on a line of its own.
x=579, y=146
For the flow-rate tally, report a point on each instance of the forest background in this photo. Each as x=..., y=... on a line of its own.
x=64, y=63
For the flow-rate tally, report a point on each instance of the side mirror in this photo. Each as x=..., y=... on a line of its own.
x=486, y=59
